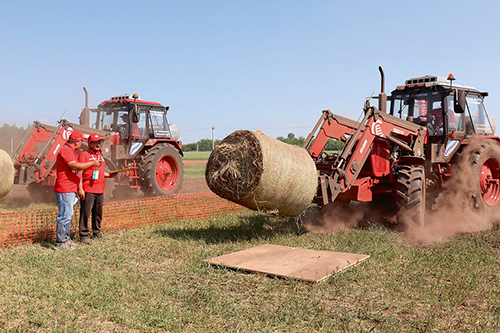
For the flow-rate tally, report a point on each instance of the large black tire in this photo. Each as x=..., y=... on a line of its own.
x=161, y=171
x=484, y=162
x=410, y=198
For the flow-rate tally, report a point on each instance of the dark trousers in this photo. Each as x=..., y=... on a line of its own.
x=92, y=205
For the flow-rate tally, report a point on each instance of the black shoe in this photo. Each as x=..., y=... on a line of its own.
x=97, y=235
x=85, y=240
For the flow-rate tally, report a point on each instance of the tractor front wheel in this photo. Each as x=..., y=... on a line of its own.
x=410, y=198
x=161, y=171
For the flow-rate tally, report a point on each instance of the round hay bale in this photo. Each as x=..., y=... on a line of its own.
x=262, y=173
x=6, y=174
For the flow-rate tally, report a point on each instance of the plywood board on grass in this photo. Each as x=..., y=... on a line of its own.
x=289, y=262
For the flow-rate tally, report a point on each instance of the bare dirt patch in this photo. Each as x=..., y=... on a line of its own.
x=194, y=185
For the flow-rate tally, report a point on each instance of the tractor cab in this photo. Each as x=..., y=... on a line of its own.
x=445, y=109
x=134, y=118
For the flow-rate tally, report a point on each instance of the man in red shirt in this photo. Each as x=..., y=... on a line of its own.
x=91, y=189
x=66, y=186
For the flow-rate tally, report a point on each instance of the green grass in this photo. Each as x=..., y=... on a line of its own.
x=152, y=279
x=194, y=170
x=196, y=155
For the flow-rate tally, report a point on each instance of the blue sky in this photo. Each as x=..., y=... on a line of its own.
x=268, y=65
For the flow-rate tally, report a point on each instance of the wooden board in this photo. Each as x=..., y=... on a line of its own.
x=289, y=262
x=114, y=172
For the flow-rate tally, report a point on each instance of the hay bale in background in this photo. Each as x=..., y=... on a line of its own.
x=262, y=173
x=6, y=173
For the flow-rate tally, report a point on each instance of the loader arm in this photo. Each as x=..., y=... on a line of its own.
x=37, y=153
x=339, y=174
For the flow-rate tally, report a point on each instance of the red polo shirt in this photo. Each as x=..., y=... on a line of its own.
x=93, y=180
x=67, y=179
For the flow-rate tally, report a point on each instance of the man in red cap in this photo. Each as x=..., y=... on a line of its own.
x=91, y=189
x=66, y=187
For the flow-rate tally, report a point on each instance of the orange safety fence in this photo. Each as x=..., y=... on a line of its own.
x=30, y=226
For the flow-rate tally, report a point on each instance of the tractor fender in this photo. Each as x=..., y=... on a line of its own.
x=406, y=160
x=153, y=142
x=409, y=160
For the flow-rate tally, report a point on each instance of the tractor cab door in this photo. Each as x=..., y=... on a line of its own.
x=123, y=124
x=455, y=120
x=477, y=119
x=131, y=123
x=138, y=125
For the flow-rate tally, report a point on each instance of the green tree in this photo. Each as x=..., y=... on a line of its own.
x=11, y=136
x=202, y=145
x=292, y=139
x=334, y=145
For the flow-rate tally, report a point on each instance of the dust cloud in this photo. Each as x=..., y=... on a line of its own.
x=460, y=208
x=333, y=217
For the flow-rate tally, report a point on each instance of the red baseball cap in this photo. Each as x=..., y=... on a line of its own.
x=75, y=135
x=95, y=137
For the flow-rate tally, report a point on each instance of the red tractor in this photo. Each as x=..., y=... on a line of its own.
x=139, y=140
x=407, y=155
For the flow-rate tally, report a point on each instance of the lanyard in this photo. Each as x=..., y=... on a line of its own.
x=97, y=157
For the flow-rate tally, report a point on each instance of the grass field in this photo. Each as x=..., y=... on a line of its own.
x=194, y=170
x=196, y=155
x=152, y=279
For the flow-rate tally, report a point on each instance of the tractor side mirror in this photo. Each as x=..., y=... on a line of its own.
x=460, y=102
x=136, y=116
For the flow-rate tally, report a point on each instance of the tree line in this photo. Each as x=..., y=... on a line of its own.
x=11, y=136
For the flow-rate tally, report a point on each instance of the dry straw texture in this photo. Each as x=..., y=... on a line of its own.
x=6, y=173
x=262, y=173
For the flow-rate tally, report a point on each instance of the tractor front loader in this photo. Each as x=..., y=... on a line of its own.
x=405, y=156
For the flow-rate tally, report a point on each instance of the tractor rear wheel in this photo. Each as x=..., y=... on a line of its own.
x=161, y=171
x=410, y=198
x=485, y=164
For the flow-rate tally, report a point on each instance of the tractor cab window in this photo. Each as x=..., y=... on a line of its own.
x=158, y=124
x=400, y=106
x=477, y=117
x=105, y=121
x=422, y=108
